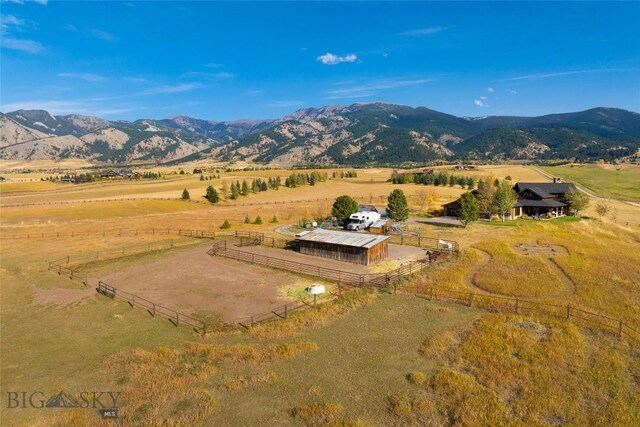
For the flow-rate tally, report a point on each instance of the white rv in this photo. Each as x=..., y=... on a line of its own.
x=362, y=220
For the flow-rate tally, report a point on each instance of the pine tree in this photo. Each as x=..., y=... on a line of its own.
x=247, y=220
x=397, y=207
x=185, y=195
x=212, y=195
x=343, y=207
x=245, y=188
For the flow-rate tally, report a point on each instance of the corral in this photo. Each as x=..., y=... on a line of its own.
x=192, y=282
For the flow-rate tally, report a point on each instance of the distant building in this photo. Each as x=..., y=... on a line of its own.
x=535, y=199
x=356, y=248
x=542, y=198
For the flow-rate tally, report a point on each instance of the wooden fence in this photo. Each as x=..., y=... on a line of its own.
x=284, y=311
x=340, y=276
x=63, y=265
x=617, y=327
x=152, y=308
x=122, y=232
x=424, y=242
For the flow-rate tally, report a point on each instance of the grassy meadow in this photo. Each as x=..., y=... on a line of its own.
x=611, y=181
x=368, y=358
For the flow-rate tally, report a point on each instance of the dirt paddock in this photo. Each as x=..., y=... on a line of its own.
x=193, y=281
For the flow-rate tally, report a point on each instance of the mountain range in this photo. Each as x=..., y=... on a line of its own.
x=359, y=134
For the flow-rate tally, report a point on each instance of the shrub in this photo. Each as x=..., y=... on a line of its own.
x=258, y=220
x=317, y=415
x=416, y=377
x=226, y=224
x=247, y=220
x=185, y=195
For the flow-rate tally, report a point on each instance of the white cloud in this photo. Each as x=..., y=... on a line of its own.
x=252, y=92
x=28, y=46
x=423, y=31
x=371, y=88
x=559, y=74
x=331, y=59
x=490, y=89
x=88, y=77
x=102, y=35
x=159, y=90
x=10, y=20
x=71, y=28
x=214, y=76
x=513, y=92
x=284, y=103
x=42, y=2
x=481, y=102
x=71, y=106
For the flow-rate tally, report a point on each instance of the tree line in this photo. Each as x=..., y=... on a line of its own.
x=442, y=178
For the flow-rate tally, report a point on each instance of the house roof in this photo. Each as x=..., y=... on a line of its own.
x=549, y=187
x=343, y=238
x=540, y=193
x=539, y=203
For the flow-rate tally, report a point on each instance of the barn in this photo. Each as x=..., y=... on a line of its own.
x=356, y=248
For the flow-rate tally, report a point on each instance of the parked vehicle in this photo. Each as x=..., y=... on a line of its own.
x=362, y=220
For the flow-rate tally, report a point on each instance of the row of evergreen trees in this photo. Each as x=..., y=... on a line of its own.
x=439, y=179
x=298, y=179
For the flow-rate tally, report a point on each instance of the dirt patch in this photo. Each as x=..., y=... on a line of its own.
x=60, y=297
x=540, y=249
x=193, y=281
x=538, y=330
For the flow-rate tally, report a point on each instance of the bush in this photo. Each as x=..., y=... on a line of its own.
x=416, y=377
x=226, y=224
x=274, y=219
x=258, y=220
x=317, y=415
x=185, y=195
x=247, y=220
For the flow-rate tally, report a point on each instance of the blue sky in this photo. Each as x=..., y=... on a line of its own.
x=223, y=61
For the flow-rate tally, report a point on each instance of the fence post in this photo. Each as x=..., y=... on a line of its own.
x=154, y=309
x=431, y=294
x=59, y=270
x=471, y=296
x=419, y=245
x=517, y=305
x=67, y=259
x=620, y=329
x=252, y=321
x=568, y=312
x=71, y=274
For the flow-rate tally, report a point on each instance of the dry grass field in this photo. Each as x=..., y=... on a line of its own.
x=367, y=358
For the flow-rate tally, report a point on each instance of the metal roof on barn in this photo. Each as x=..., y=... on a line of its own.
x=343, y=238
